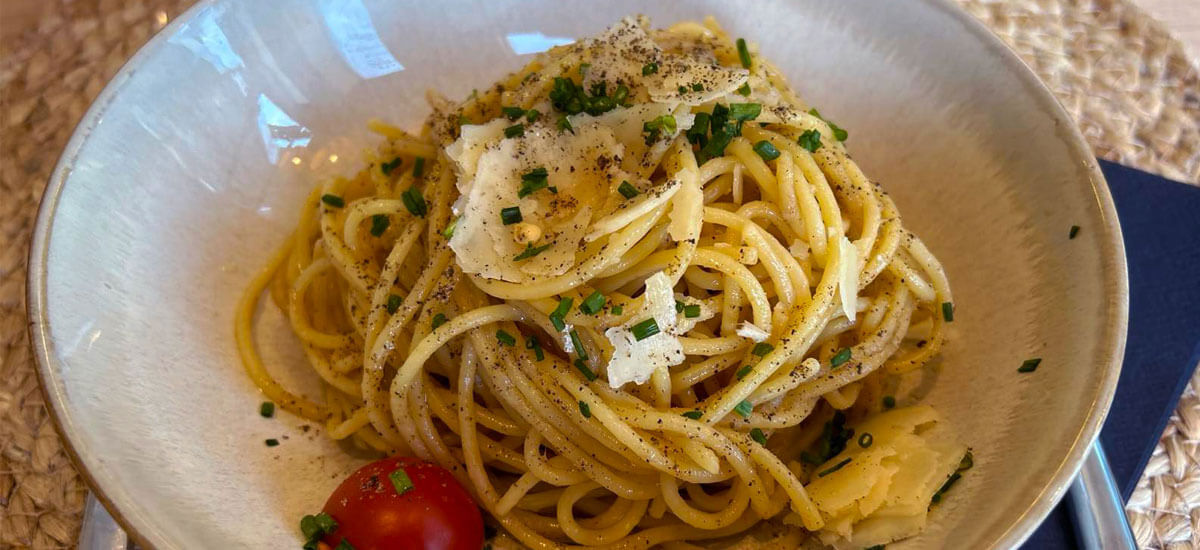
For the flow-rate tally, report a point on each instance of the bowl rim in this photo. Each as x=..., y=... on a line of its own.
x=1112, y=252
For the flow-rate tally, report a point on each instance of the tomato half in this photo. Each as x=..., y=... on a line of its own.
x=434, y=513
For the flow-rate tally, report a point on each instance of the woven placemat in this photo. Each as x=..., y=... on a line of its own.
x=1129, y=85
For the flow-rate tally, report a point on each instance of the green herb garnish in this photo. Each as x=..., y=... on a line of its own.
x=267, y=409
x=583, y=368
x=333, y=200
x=865, y=440
x=744, y=111
x=627, y=190
x=694, y=415
x=743, y=52
x=516, y=130
x=839, y=358
x=810, y=140
x=889, y=402
x=765, y=150
x=316, y=526
x=272, y=442
x=513, y=113
x=585, y=410
x=838, y=133
x=649, y=68
x=505, y=338
x=419, y=167
x=1030, y=365
x=593, y=303
x=761, y=349
x=379, y=224
x=438, y=320
x=758, y=435
x=1074, y=231
x=645, y=329
x=414, y=201
x=948, y=311
x=617, y=310
x=743, y=409
x=564, y=124
x=691, y=311
x=744, y=89
x=393, y=303
x=744, y=372
x=530, y=251
x=580, y=351
x=400, y=481
x=510, y=215
x=449, y=230
x=390, y=165
x=833, y=468
x=531, y=342
x=559, y=313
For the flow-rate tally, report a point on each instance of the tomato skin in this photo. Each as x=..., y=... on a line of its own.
x=436, y=514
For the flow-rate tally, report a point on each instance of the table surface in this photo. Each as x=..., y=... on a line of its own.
x=1182, y=17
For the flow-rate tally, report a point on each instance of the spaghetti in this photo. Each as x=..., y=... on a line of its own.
x=629, y=296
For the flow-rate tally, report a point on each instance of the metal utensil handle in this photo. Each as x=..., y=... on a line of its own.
x=1097, y=508
x=100, y=531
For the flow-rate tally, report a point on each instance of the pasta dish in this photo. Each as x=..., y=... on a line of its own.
x=636, y=294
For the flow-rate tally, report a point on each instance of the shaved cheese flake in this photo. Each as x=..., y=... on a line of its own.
x=848, y=277
x=687, y=211
x=635, y=361
x=752, y=331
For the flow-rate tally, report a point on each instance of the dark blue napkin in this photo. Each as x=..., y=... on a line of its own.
x=1160, y=220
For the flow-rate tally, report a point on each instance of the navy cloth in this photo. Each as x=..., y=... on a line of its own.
x=1160, y=220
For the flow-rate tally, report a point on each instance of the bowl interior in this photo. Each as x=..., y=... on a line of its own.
x=192, y=166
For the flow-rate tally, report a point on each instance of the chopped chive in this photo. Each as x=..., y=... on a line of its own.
x=758, y=435
x=766, y=150
x=400, y=481
x=645, y=329
x=839, y=358
x=513, y=113
x=744, y=111
x=833, y=468
x=838, y=133
x=948, y=311
x=621, y=94
x=333, y=200
x=744, y=372
x=379, y=224
x=449, y=230
x=865, y=440
x=267, y=409
x=649, y=68
x=617, y=310
x=697, y=87
x=390, y=165
x=438, y=320
x=678, y=306
x=761, y=349
x=691, y=311
x=580, y=351
x=889, y=402
x=698, y=133
x=393, y=303
x=564, y=124
x=414, y=201
x=531, y=342
x=683, y=89
x=968, y=460
x=627, y=190
x=556, y=316
x=743, y=409
x=532, y=115
x=516, y=130
x=585, y=410
x=510, y=215
x=694, y=415
x=1074, y=231
x=593, y=303
x=530, y=251
x=316, y=526
x=1030, y=365
x=419, y=167
x=744, y=89
x=538, y=173
x=528, y=187
x=743, y=52
x=583, y=368
x=937, y=497
x=810, y=140
x=272, y=442
x=505, y=338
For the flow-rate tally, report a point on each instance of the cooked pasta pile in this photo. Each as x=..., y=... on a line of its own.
x=636, y=293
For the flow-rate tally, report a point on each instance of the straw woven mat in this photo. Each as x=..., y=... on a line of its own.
x=1130, y=86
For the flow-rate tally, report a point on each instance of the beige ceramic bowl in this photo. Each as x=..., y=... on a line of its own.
x=191, y=166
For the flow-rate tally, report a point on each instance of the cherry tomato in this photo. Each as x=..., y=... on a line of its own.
x=436, y=513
